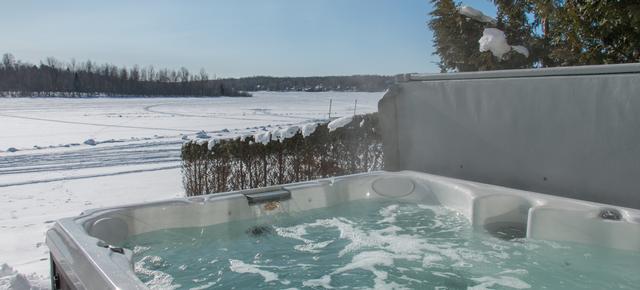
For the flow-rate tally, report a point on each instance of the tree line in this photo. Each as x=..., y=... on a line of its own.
x=56, y=78
x=78, y=79
x=360, y=83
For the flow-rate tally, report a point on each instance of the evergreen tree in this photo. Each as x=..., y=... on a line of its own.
x=556, y=33
x=77, y=87
x=456, y=39
x=594, y=32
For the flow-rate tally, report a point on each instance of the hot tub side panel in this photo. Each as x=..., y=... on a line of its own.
x=568, y=133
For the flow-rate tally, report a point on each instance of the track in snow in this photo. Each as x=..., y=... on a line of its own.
x=151, y=109
x=87, y=176
x=165, y=154
x=93, y=157
x=97, y=124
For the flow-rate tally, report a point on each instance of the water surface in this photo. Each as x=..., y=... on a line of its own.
x=371, y=244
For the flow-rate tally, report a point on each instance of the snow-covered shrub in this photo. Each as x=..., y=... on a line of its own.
x=294, y=155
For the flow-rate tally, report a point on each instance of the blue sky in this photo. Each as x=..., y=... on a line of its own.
x=229, y=38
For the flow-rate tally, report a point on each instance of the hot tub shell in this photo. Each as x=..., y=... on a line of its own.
x=86, y=254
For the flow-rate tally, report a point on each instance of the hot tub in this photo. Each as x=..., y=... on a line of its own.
x=376, y=230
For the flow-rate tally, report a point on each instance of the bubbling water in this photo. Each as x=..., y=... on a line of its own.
x=378, y=244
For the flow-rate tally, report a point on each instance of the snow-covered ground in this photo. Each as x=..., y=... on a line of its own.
x=54, y=174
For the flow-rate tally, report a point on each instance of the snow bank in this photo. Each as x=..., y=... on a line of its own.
x=475, y=14
x=339, y=123
x=90, y=142
x=10, y=279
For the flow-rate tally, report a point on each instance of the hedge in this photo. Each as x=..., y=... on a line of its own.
x=242, y=163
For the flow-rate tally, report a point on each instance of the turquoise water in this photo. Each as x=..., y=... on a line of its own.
x=371, y=244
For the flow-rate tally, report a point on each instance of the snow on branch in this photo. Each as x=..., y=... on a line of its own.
x=475, y=14
x=521, y=50
x=339, y=123
x=494, y=40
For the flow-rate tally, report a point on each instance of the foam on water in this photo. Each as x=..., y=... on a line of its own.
x=148, y=269
x=371, y=244
x=240, y=267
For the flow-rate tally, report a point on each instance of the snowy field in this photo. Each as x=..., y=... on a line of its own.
x=47, y=171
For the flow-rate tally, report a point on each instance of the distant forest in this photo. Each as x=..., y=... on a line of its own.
x=54, y=78
x=360, y=83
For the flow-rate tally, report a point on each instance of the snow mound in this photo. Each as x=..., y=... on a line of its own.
x=202, y=135
x=91, y=142
x=339, y=123
x=495, y=41
x=285, y=133
x=10, y=279
x=263, y=137
x=475, y=14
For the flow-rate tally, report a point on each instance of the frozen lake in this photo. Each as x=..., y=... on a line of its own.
x=54, y=175
x=43, y=122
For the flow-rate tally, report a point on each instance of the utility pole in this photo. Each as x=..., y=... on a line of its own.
x=330, y=101
x=354, y=107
